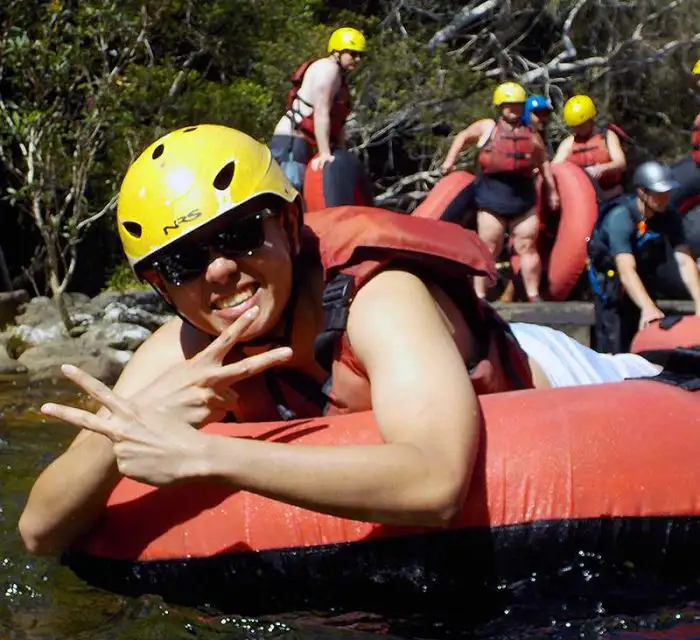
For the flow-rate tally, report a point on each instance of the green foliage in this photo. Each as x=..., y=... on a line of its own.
x=101, y=79
x=122, y=279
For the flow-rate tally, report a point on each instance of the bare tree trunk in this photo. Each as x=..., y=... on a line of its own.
x=57, y=288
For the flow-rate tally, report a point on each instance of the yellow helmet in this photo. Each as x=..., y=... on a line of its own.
x=696, y=68
x=509, y=92
x=578, y=110
x=189, y=177
x=347, y=39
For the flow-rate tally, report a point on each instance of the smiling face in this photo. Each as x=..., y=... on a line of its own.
x=512, y=112
x=223, y=270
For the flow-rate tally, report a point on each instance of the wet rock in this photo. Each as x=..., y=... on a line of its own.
x=107, y=330
x=42, y=310
x=26, y=336
x=121, y=313
x=9, y=366
x=120, y=335
x=44, y=360
x=10, y=302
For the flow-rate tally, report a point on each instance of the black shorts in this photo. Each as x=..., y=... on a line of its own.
x=508, y=195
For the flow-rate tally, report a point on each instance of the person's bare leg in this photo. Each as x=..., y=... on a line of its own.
x=491, y=231
x=525, y=230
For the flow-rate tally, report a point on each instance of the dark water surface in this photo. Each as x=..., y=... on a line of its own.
x=42, y=600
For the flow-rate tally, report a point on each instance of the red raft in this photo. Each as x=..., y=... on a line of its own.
x=668, y=333
x=564, y=235
x=341, y=182
x=686, y=200
x=561, y=477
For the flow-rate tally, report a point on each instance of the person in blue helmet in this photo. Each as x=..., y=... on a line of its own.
x=536, y=114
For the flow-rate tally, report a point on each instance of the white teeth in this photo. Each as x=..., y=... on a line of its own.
x=236, y=299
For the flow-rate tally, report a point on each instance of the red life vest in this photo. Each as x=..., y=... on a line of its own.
x=354, y=244
x=509, y=150
x=586, y=152
x=340, y=110
x=695, y=140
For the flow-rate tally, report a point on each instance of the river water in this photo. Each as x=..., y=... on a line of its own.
x=42, y=600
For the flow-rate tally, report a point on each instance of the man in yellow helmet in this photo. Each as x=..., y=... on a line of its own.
x=318, y=105
x=510, y=154
x=270, y=301
x=695, y=139
x=597, y=149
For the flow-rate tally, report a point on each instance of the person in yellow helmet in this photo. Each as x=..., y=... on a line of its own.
x=271, y=300
x=317, y=107
x=596, y=149
x=510, y=153
x=695, y=137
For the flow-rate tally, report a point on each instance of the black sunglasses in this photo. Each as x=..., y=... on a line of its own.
x=187, y=259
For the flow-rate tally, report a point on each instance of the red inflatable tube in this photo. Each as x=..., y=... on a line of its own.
x=556, y=467
x=564, y=256
x=687, y=196
x=449, y=199
x=341, y=182
x=579, y=211
x=672, y=331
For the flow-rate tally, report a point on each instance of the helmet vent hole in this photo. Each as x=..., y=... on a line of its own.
x=190, y=129
x=158, y=151
x=224, y=177
x=133, y=229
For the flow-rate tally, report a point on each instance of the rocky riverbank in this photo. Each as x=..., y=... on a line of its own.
x=108, y=329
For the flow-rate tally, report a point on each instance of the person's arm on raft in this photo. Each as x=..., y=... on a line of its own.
x=426, y=409
x=634, y=288
x=70, y=494
x=465, y=137
x=423, y=401
x=690, y=273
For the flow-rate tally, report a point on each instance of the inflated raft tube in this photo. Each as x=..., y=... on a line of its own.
x=560, y=477
x=579, y=212
x=691, y=226
x=687, y=196
x=564, y=256
x=451, y=199
x=341, y=182
x=668, y=333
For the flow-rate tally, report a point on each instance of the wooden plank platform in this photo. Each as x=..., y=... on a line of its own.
x=576, y=319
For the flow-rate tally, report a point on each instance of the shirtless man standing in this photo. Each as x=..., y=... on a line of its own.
x=317, y=107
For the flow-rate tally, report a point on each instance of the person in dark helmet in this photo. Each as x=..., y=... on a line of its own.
x=536, y=115
x=638, y=254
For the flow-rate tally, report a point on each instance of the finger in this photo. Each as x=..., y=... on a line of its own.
x=80, y=418
x=220, y=347
x=100, y=392
x=251, y=366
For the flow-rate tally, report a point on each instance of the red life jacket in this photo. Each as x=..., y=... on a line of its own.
x=340, y=110
x=509, y=150
x=695, y=140
x=586, y=152
x=354, y=244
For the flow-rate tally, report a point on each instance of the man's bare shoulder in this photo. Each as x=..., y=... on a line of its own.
x=322, y=70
